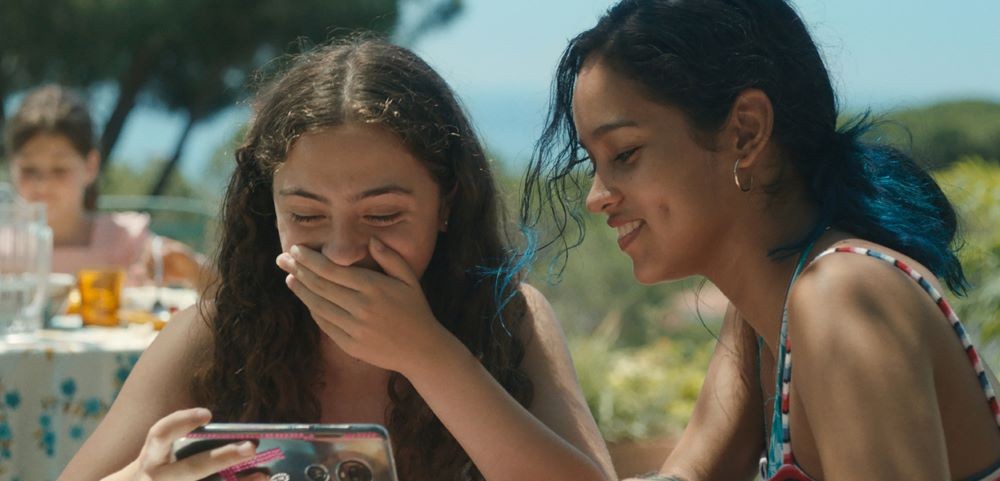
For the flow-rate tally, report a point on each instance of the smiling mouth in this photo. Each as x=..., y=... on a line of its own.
x=627, y=229
x=627, y=233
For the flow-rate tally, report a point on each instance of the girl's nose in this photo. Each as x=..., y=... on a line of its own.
x=600, y=198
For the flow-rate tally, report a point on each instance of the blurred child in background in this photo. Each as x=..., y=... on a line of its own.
x=53, y=159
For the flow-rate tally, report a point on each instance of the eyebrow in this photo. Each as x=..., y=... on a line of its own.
x=381, y=190
x=367, y=194
x=300, y=192
x=603, y=129
x=608, y=127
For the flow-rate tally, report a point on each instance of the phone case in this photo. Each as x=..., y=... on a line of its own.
x=300, y=452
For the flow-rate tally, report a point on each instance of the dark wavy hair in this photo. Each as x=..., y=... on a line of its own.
x=266, y=363
x=56, y=110
x=698, y=56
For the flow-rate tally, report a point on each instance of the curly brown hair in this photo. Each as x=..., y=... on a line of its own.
x=266, y=362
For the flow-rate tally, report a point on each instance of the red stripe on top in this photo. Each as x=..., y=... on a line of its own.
x=973, y=355
x=946, y=309
x=907, y=269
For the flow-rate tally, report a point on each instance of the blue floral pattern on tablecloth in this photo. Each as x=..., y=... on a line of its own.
x=52, y=397
x=11, y=401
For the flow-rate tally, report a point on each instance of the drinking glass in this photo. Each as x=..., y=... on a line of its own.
x=100, y=296
x=25, y=261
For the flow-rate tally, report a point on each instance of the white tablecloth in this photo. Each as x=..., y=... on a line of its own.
x=55, y=389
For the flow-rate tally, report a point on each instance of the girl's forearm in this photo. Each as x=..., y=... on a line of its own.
x=503, y=439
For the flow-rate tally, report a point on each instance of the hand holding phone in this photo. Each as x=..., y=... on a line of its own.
x=298, y=452
x=156, y=460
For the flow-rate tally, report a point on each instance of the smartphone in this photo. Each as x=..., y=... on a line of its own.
x=299, y=452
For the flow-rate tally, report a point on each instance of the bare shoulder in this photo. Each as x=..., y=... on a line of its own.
x=867, y=264
x=534, y=298
x=547, y=359
x=540, y=323
x=864, y=336
x=852, y=300
x=158, y=385
x=163, y=371
x=187, y=335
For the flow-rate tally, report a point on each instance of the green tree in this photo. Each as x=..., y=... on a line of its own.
x=973, y=185
x=186, y=55
x=941, y=134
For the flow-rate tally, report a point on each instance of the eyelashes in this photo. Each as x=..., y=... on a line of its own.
x=625, y=156
x=622, y=158
x=305, y=219
x=383, y=219
x=378, y=220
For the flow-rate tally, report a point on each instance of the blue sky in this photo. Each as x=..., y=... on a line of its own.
x=884, y=53
x=499, y=57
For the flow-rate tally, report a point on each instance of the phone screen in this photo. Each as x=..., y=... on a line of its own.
x=299, y=452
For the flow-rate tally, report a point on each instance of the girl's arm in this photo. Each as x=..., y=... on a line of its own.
x=555, y=439
x=724, y=439
x=134, y=438
x=384, y=320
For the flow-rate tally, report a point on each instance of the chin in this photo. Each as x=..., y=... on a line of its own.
x=645, y=275
x=650, y=274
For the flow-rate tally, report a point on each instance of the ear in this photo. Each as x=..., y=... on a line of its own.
x=92, y=165
x=444, y=212
x=749, y=126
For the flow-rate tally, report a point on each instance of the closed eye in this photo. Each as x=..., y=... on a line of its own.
x=383, y=219
x=625, y=156
x=305, y=219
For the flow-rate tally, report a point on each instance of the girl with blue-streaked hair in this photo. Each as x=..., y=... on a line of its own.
x=710, y=129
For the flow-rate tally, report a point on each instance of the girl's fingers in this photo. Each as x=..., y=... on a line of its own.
x=323, y=287
x=392, y=263
x=205, y=464
x=319, y=306
x=349, y=277
x=336, y=334
x=330, y=318
x=161, y=436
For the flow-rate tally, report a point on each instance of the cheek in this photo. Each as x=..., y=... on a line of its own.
x=286, y=236
x=655, y=198
x=26, y=190
x=415, y=247
x=24, y=184
x=78, y=184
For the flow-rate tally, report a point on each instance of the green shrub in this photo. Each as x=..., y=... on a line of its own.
x=973, y=185
x=639, y=392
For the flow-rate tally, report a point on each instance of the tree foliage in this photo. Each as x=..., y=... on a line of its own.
x=973, y=185
x=943, y=133
x=186, y=55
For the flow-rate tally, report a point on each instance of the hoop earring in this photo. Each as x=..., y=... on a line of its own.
x=736, y=177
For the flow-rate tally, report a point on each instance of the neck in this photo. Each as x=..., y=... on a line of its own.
x=74, y=231
x=341, y=365
x=753, y=281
